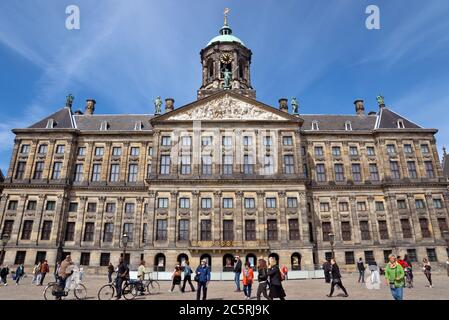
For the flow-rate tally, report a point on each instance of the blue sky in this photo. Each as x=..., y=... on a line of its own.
x=128, y=52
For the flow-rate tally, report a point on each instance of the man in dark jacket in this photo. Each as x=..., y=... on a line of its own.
x=4, y=274
x=20, y=271
x=336, y=279
x=327, y=271
x=202, y=274
x=237, y=272
x=361, y=269
x=122, y=275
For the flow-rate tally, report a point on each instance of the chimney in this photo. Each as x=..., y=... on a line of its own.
x=283, y=104
x=169, y=104
x=359, y=107
x=90, y=106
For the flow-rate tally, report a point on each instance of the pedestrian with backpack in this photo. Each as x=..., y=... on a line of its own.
x=187, y=277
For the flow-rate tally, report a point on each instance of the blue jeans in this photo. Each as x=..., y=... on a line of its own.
x=247, y=290
x=237, y=280
x=397, y=293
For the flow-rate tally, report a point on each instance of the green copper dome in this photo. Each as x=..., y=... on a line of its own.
x=225, y=36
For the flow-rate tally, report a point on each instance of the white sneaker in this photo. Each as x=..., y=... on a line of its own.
x=6, y=284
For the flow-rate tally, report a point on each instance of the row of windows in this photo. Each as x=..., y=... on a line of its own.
x=42, y=149
x=116, y=151
x=370, y=151
x=226, y=141
x=369, y=255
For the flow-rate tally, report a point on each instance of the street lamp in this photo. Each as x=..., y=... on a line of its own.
x=5, y=239
x=331, y=240
x=125, y=243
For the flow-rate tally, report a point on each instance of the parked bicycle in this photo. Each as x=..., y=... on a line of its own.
x=129, y=291
x=54, y=291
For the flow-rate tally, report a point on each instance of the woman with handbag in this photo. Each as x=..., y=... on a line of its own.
x=262, y=277
x=274, y=274
x=336, y=279
x=427, y=270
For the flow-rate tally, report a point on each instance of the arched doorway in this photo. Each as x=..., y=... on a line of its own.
x=296, y=261
x=159, y=262
x=228, y=262
x=208, y=258
x=275, y=256
x=182, y=259
x=252, y=259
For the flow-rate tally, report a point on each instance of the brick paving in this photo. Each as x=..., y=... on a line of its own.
x=224, y=290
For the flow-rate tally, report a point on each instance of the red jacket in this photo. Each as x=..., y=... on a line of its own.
x=248, y=276
x=403, y=264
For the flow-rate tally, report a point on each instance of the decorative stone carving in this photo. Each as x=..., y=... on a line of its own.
x=227, y=108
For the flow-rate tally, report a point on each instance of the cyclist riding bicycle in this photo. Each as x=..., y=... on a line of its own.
x=64, y=273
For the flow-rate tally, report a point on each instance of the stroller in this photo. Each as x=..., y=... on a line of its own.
x=408, y=277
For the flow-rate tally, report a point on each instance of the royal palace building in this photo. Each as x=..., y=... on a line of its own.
x=222, y=176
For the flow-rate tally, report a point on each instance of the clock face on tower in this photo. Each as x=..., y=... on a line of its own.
x=226, y=58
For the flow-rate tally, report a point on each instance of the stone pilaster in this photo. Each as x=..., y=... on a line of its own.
x=374, y=221
x=414, y=223
x=283, y=218
x=433, y=221
x=261, y=221
x=336, y=220
x=16, y=230
x=194, y=221
x=217, y=216
x=151, y=213
x=118, y=223
x=99, y=222
x=239, y=218
x=80, y=218
x=355, y=220
x=172, y=214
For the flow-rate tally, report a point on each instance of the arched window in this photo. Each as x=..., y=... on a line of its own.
x=159, y=262
x=296, y=261
x=252, y=259
x=182, y=259
x=210, y=69
x=275, y=256
x=228, y=262
x=208, y=258
x=241, y=69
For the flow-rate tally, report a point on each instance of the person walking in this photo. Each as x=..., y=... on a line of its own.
x=140, y=276
x=122, y=275
x=176, y=278
x=395, y=277
x=110, y=272
x=361, y=268
x=237, y=272
x=262, y=278
x=248, y=280
x=187, y=277
x=43, y=272
x=274, y=274
x=284, y=271
x=202, y=276
x=327, y=271
x=427, y=270
x=20, y=271
x=336, y=279
x=4, y=274
x=374, y=274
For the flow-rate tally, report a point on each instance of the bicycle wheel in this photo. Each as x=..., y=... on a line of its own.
x=106, y=292
x=80, y=292
x=153, y=287
x=49, y=291
x=129, y=291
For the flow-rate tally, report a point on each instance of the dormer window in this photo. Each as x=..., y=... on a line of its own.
x=348, y=126
x=400, y=124
x=138, y=126
x=315, y=126
x=104, y=126
x=51, y=123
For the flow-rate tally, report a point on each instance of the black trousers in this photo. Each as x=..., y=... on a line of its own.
x=340, y=284
x=201, y=285
x=42, y=278
x=327, y=277
x=429, y=277
x=262, y=289
x=187, y=279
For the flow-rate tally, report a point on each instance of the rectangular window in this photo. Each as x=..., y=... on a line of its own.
x=437, y=204
x=293, y=229
x=412, y=255
x=267, y=141
x=184, y=203
x=85, y=258
x=250, y=230
x=206, y=230
x=374, y=173
x=130, y=208
x=79, y=169
x=432, y=255
x=228, y=230
x=20, y=171
x=166, y=141
x=353, y=151
x=320, y=173
x=270, y=203
x=99, y=151
x=429, y=169
x=319, y=151
x=149, y=166
x=50, y=206
x=133, y=172
x=336, y=151
x=247, y=141
x=383, y=230
x=402, y=204
x=425, y=148
x=150, y=151
x=108, y=232
x=46, y=230
x=303, y=151
x=60, y=149
x=105, y=258
x=20, y=258
x=349, y=257
x=406, y=229
x=73, y=207
x=7, y=227
x=287, y=141
x=145, y=233
x=356, y=172
x=186, y=141
x=339, y=172
x=228, y=203
x=31, y=205
x=25, y=149
x=272, y=230
x=369, y=256
x=442, y=224
x=268, y=165
x=364, y=230
x=57, y=168
x=292, y=202
x=206, y=141
x=248, y=164
x=135, y=151
x=394, y=167
x=81, y=151
x=408, y=148
x=370, y=151
x=185, y=165
x=391, y=149
x=128, y=228
x=206, y=165
x=206, y=203
x=161, y=230
x=424, y=224
x=327, y=229
x=361, y=206
x=343, y=206
x=12, y=205
x=162, y=203
x=324, y=207
x=346, y=231
x=89, y=230
x=419, y=204
x=165, y=165
x=38, y=170
x=250, y=203
x=227, y=141
x=116, y=151
x=92, y=207
x=96, y=173
x=110, y=207
x=227, y=164
x=114, y=175
x=289, y=167
x=183, y=233
x=27, y=229
x=70, y=231
x=380, y=206
x=412, y=170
